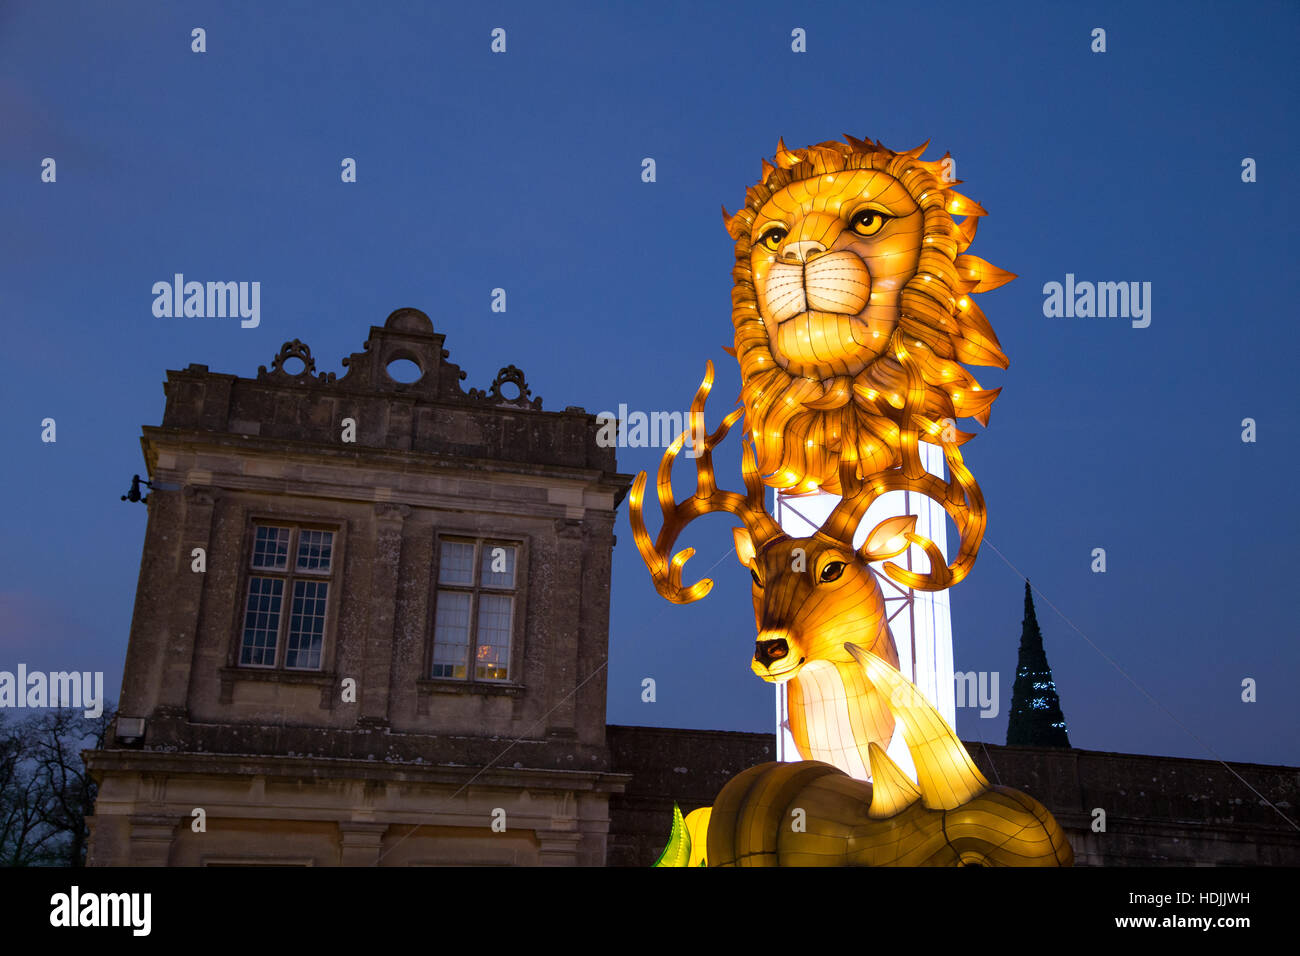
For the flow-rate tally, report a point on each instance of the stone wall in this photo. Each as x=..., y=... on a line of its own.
x=1159, y=811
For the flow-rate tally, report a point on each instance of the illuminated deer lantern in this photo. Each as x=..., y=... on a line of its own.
x=952, y=815
x=814, y=595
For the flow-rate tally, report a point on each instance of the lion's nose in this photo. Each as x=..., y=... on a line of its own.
x=804, y=250
x=770, y=651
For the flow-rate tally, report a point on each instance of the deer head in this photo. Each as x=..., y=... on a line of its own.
x=814, y=595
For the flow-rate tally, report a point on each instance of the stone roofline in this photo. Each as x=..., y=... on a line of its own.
x=366, y=409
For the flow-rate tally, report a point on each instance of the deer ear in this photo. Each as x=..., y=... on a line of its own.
x=887, y=539
x=744, y=546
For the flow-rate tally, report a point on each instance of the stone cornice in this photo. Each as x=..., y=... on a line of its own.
x=156, y=439
x=219, y=766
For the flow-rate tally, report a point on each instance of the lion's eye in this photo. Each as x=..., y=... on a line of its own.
x=869, y=222
x=772, y=239
x=754, y=574
x=832, y=571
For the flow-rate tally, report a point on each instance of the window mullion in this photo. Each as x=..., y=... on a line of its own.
x=282, y=645
x=472, y=650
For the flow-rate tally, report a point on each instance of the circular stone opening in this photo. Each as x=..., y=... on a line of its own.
x=404, y=370
x=509, y=390
x=293, y=365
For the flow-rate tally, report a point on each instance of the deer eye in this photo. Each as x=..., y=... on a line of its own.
x=832, y=571
x=754, y=574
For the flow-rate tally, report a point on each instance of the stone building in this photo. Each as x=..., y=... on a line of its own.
x=355, y=595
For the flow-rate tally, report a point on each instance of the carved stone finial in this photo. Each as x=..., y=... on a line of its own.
x=291, y=350
x=510, y=375
x=295, y=349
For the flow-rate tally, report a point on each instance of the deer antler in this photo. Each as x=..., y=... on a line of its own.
x=708, y=498
x=960, y=496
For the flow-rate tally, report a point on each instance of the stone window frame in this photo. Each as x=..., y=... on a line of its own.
x=329, y=643
x=471, y=684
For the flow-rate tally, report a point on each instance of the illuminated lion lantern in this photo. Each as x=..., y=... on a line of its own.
x=845, y=251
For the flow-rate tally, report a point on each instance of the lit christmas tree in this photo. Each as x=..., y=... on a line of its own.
x=1036, y=718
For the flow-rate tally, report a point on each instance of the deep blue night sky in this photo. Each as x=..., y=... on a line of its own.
x=522, y=171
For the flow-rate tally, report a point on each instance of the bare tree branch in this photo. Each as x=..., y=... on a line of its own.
x=45, y=791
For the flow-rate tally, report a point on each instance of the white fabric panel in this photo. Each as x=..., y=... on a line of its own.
x=922, y=627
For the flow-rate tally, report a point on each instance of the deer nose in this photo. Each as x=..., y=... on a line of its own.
x=770, y=651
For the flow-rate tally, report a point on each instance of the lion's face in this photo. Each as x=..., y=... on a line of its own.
x=830, y=257
x=847, y=256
